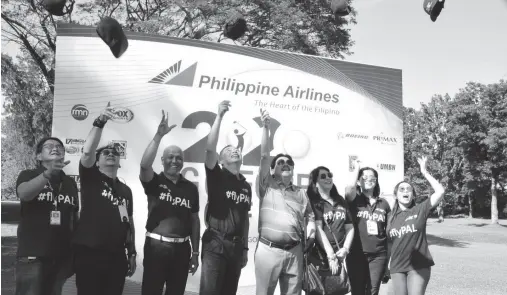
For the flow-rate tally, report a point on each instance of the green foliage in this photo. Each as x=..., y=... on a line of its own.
x=466, y=140
x=304, y=26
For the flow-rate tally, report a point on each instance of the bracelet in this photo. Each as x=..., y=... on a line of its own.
x=195, y=253
x=246, y=248
x=99, y=123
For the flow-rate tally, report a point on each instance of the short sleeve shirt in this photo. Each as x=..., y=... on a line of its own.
x=371, y=222
x=336, y=217
x=170, y=206
x=101, y=225
x=229, y=201
x=36, y=235
x=407, y=235
x=283, y=211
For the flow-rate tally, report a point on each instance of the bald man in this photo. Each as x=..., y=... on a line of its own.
x=173, y=226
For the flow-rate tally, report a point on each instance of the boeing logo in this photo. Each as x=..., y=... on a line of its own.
x=351, y=135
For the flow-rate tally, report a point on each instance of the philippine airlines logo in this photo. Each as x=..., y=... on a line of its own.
x=79, y=112
x=175, y=76
x=351, y=136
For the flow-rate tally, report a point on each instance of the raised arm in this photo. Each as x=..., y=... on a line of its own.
x=93, y=139
x=146, y=173
x=351, y=188
x=265, y=157
x=28, y=189
x=437, y=196
x=211, y=147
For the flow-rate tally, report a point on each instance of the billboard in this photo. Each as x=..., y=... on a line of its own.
x=326, y=111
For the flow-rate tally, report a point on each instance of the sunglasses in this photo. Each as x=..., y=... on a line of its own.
x=283, y=162
x=326, y=175
x=110, y=152
x=50, y=147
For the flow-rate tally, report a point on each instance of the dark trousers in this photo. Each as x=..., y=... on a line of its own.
x=100, y=272
x=221, y=264
x=41, y=276
x=366, y=272
x=165, y=264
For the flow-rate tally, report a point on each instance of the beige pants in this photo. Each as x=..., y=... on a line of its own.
x=273, y=265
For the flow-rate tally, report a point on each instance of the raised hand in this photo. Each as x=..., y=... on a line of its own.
x=422, y=163
x=266, y=119
x=223, y=107
x=107, y=113
x=54, y=167
x=163, y=127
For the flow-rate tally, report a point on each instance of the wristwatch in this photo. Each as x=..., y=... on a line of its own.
x=99, y=123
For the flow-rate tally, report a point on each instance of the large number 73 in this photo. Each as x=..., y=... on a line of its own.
x=196, y=152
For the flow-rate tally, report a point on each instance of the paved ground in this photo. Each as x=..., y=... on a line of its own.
x=470, y=257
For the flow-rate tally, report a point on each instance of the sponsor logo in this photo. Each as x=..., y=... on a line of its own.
x=352, y=136
x=385, y=139
x=122, y=115
x=77, y=179
x=79, y=112
x=74, y=141
x=121, y=147
x=175, y=76
x=386, y=167
x=72, y=149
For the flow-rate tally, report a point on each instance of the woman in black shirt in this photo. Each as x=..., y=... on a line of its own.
x=329, y=207
x=411, y=261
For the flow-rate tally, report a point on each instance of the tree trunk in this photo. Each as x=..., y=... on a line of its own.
x=494, y=202
x=471, y=206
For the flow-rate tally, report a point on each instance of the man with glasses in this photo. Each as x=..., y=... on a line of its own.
x=283, y=211
x=225, y=241
x=49, y=206
x=173, y=219
x=106, y=228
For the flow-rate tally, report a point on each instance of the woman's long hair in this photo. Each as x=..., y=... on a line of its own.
x=313, y=192
x=396, y=208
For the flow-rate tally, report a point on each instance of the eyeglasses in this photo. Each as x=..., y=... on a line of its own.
x=369, y=178
x=50, y=147
x=405, y=190
x=326, y=175
x=110, y=152
x=282, y=162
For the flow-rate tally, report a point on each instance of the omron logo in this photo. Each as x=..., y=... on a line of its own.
x=174, y=76
x=386, y=167
x=351, y=135
x=385, y=139
x=79, y=112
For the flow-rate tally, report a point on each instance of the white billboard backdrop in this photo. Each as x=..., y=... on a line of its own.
x=326, y=110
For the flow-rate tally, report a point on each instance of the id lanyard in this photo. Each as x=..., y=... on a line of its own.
x=55, y=217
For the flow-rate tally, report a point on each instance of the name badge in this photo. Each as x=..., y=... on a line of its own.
x=372, y=227
x=123, y=213
x=55, y=218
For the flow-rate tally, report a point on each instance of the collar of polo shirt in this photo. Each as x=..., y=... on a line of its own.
x=229, y=174
x=290, y=186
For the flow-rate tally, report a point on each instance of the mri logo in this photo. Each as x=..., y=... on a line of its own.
x=175, y=76
x=79, y=112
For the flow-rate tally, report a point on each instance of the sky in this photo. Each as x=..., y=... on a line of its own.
x=467, y=43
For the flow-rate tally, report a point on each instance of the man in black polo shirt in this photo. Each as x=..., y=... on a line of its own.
x=173, y=220
x=106, y=226
x=49, y=206
x=225, y=241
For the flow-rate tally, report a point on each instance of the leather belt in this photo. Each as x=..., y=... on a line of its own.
x=229, y=237
x=275, y=245
x=166, y=239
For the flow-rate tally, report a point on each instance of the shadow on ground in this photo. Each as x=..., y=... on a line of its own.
x=439, y=241
x=9, y=247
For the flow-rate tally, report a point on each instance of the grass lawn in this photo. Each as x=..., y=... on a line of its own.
x=470, y=259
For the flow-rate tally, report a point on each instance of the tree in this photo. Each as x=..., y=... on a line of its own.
x=302, y=26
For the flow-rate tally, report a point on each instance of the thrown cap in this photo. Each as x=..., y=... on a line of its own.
x=235, y=27
x=111, y=32
x=340, y=7
x=55, y=7
x=433, y=8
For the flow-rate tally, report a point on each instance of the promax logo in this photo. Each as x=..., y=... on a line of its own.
x=173, y=76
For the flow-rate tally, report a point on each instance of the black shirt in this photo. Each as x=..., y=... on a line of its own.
x=100, y=225
x=170, y=206
x=336, y=216
x=229, y=200
x=36, y=236
x=371, y=222
x=407, y=235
